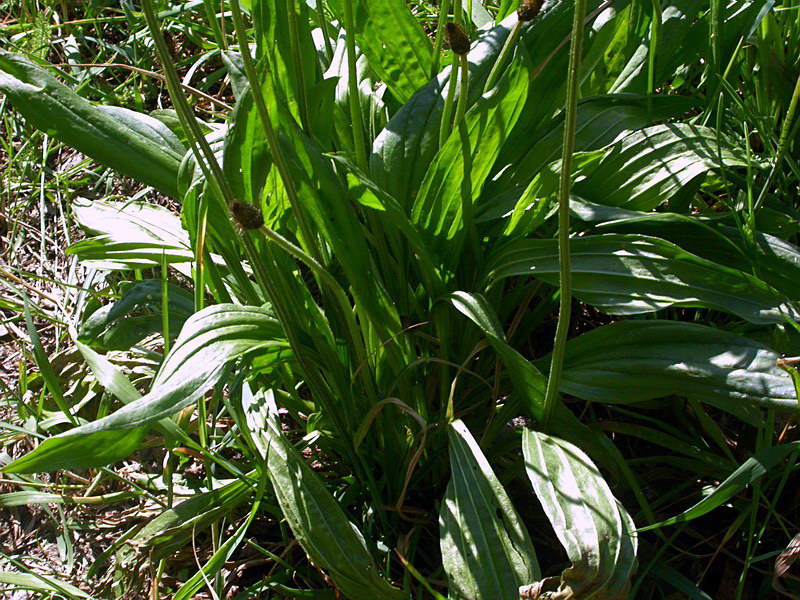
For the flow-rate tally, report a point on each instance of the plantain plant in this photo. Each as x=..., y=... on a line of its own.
x=371, y=251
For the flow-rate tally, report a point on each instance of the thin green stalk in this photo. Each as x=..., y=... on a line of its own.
x=463, y=89
x=502, y=59
x=352, y=88
x=211, y=15
x=783, y=142
x=444, y=11
x=205, y=156
x=447, y=112
x=565, y=275
x=164, y=303
x=306, y=238
x=297, y=58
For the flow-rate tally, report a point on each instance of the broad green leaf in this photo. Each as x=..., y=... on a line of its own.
x=322, y=194
x=171, y=529
x=129, y=235
x=632, y=274
x=222, y=554
x=630, y=361
x=116, y=327
x=393, y=41
x=777, y=262
x=648, y=167
x=599, y=120
x=131, y=143
x=79, y=452
x=273, y=33
x=443, y=206
x=246, y=160
x=209, y=342
x=750, y=470
x=486, y=551
x=595, y=530
x=24, y=498
x=404, y=150
x=319, y=524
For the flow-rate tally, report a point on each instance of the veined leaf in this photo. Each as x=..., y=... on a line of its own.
x=393, y=41
x=115, y=327
x=404, y=150
x=776, y=261
x=131, y=143
x=319, y=524
x=632, y=274
x=211, y=340
x=486, y=551
x=629, y=361
x=595, y=530
x=599, y=120
x=649, y=166
x=42, y=584
x=456, y=177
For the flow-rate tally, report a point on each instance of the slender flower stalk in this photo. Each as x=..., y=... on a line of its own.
x=444, y=11
x=352, y=88
x=502, y=58
x=306, y=237
x=783, y=143
x=458, y=41
x=565, y=276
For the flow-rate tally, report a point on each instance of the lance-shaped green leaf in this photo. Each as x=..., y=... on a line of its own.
x=633, y=274
x=443, y=206
x=131, y=143
x=595, y=530
x=209, y=342
x=486, y=551
x=130, y=235
x=404, y=150
x=392, y=39
x=630, y=361
x=649, y=166
x=319, y=524
x=599, y=120
x=776, y=261
x=136, y=314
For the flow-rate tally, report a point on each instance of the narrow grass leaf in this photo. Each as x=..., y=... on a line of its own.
x=750, y=470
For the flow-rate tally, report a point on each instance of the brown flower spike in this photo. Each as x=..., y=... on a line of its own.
x=528, y=9
x=456, y=37
x=246, y=215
